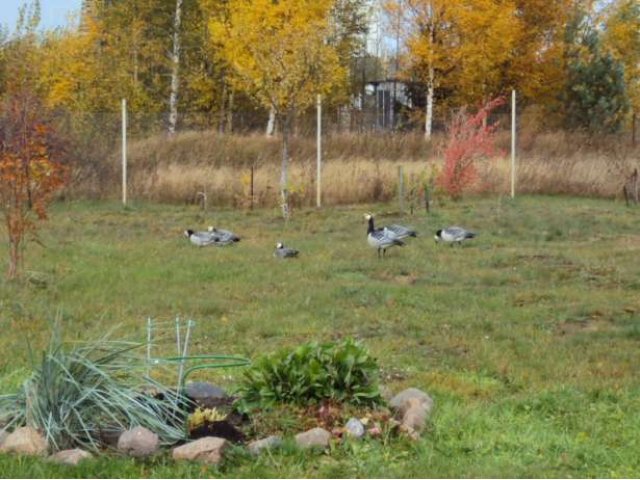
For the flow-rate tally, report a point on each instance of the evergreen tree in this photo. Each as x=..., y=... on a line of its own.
x=595, y=97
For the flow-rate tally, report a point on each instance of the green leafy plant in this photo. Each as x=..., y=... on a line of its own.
x=341, y=372
x=79, y=398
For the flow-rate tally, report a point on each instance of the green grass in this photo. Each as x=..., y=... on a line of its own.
x=528, y=338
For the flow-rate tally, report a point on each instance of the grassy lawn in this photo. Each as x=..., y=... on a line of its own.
x=527, y=338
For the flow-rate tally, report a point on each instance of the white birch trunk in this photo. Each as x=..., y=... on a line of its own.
x=284, y=189
x=428, y=120
x=271, y=123
x=175, y=71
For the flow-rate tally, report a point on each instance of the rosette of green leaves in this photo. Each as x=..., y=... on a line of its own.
x=343, y=372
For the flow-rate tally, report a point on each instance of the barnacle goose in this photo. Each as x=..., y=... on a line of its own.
x=401, y=232
x=201, y=239
x=284, y=252
x=381, y=238
x=223, y=237
x=454, y=235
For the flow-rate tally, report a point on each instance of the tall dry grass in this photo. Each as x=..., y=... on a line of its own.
x=357, y=168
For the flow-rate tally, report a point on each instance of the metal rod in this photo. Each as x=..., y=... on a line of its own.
x=124, y=152
x=319, y=152
x=148, y=346
x=513, y=144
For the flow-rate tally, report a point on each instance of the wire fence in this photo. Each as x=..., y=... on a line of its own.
x=227, y=158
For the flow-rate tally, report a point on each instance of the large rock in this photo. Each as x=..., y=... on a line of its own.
x=316, y=437
x=3, y=436
x=414, y=418
x=70, y=457
x=207, y=450
x=206, y=394
x=400, y=403
x=138, y=442
x=257, y=446
x=25, y=441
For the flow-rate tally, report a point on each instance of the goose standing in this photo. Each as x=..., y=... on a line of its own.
x=398, y=231
x=284, y=252
x=381, y=238
x=454, y=235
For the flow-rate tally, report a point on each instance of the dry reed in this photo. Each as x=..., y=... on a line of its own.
x=357, y=168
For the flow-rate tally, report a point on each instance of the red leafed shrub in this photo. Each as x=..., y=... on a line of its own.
x=470, y=138
x=29, y=171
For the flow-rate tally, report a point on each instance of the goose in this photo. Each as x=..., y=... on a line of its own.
x=200, y=239
x=381, y=238
x=401, y=232
x=284, y=252
x=398, y=231
x=454, y=235
x=223, y=237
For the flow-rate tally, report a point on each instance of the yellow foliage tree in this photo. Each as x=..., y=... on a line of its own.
x=487, y=32
x=429, y=41
x=477, y=49
x=278, y=54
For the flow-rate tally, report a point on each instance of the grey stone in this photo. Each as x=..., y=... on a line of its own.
x=206, y=394
x=70, y=457
x=3, y=436
x=257, y=446
x=354, y=428
x=414, y=418
x=25, y=441
x=316, y=437
x=138, y=442
x=400, y=403
x=208, y=450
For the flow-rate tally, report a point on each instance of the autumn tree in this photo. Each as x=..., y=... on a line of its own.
x=622, y=39
x=278, y=53
x=30, y=171
x=463, y=46
x=429, y=40
x=537, y=68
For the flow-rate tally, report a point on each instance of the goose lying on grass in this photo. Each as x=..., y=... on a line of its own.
x=381, y=238
x=200, y=239
x=223, y=237
x=284, y=252
x=454, y=235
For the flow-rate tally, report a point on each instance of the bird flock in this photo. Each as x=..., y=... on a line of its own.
x=382, y=238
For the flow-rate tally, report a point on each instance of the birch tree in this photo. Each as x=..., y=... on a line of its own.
x=277, y=53
x=175, y=69
x=429, y=42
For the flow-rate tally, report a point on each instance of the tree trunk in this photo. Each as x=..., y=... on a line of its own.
x=271, y=124
x=223, y=114
x=230, y=114
x=15, y=240
x=633, y=128
x=428, y=119
x=175, y=70
x=284, y=193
